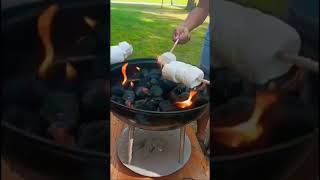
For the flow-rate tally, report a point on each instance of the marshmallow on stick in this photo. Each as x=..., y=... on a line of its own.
x=168, y=57
x=120, y=52
x=180, y=72
x=247, y=41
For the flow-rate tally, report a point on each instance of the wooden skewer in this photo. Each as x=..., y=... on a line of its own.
x=204, y=81
x=201, y=87
x=174, y=45
x=300, y=61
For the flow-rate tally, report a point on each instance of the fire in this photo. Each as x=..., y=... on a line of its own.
x=124, y=73
x=249, y=131
x=188, y=102
x=138, y=68
x=44, y=29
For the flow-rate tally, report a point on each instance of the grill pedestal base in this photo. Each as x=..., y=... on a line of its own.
x=154, y=153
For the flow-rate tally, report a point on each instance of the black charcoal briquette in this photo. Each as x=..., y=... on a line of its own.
x=167, y=86
x=140, y=104
x=154, y=81
x=141, y=91
x=155, y=91
x=128, y=95
x=166, y=106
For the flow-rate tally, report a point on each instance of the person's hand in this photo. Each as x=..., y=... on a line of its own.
x=181, y=33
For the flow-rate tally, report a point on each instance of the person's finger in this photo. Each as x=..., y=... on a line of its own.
x=175, y=35
x=183, y=38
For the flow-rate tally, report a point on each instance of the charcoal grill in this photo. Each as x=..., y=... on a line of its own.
x=162, y=133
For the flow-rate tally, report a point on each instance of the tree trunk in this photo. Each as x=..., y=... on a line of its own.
x=191, y=4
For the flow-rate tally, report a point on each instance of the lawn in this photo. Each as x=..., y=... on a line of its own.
x=149, y=29
x=175, y=2
x=275, y=7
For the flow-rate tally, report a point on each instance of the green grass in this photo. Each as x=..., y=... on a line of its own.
x=175, y=2
x=149, y=29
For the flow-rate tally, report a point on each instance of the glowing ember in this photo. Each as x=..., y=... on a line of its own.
x=44, y=26
x=92, y=23
x=188, y=102
x=131, y=84
x=249, y=131
x=138, y=68
x=124, y=73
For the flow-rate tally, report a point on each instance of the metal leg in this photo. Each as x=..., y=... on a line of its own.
x=181, y=147
x=130, y=144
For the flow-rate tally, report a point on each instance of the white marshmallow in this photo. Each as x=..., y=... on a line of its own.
x=192, y=77
x=116, y=55
x=126, y=47
x=168, y=57
x=180, y=72
x=246, y=41
x=120, y=53
x=169, y=70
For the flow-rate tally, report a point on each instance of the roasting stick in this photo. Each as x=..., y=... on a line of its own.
x=174, y=45
x=302, y=62
x=204, y=81
x=200, y=79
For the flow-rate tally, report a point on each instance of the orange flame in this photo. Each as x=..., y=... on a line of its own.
x=188, y=102
x=124, y=73
x=249, y=131
x=44, y=29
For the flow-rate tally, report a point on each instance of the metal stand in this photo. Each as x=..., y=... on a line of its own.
x=181, y=144
x=153, y=153
x=130, y=144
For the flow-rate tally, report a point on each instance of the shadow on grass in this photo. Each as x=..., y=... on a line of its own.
x=150, y=8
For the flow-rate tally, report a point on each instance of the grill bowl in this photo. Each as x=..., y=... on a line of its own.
x=20, y=58
x=151, y=120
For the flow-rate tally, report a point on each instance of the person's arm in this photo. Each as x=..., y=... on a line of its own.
x=195, y=18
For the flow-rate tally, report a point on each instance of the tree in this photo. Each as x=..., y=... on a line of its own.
x=191, y=4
